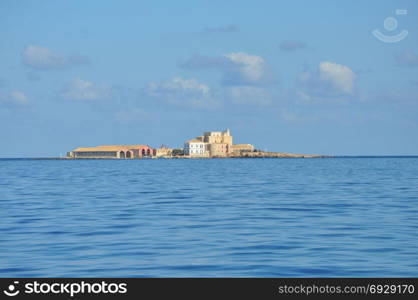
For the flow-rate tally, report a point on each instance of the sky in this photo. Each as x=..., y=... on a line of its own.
x=288, y=76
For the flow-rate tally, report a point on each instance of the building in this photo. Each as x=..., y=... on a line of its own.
x=113, y=151
x=218, y=149
x=239, y=148
x=195, y=148
x=215, y=144
x=210, y=144
x=218, y=137
x=164, y=151
x=218, y=143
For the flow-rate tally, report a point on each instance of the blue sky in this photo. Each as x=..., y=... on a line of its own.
x=288, y=76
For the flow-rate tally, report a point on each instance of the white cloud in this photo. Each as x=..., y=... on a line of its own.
x=42, y=58
x=179, y=91
x=79, y=89
x=341, y=77
x=14, y=97
x=249, y=68
x=249, y=95
x=245, y=77
x=19, y=97
x=178, y=84
x=330, y=79
x=238, y=68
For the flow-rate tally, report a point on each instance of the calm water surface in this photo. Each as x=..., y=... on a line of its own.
x=231, y=217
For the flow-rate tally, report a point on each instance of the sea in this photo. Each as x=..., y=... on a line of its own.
x=325, y=217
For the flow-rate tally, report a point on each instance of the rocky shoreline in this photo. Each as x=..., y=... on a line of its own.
x=242, y=155
x=263, y=154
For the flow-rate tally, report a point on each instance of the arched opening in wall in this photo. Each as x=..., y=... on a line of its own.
x=143, y=152
x=128, y=154
x=154, y=152
x=121, y=154
x=148, y=152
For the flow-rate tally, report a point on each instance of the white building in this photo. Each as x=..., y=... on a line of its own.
x=195, y=148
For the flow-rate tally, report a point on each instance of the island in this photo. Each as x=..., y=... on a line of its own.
x=212, y=144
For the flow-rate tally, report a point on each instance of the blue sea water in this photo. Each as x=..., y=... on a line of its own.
x=209, y=218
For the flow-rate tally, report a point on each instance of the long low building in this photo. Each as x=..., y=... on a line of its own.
x=238, y=148
x=113, y=151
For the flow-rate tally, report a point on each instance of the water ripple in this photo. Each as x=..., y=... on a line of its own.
x=201, y=218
